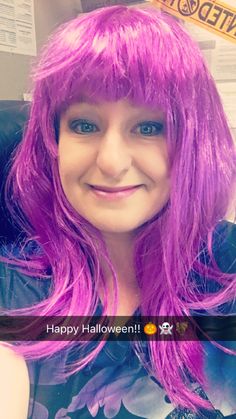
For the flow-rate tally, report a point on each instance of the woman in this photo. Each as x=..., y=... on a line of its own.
x=122, y=99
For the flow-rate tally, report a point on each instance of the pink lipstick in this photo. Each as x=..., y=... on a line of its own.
x=111, y=194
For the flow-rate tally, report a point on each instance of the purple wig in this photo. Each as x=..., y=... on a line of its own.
x=146, y=57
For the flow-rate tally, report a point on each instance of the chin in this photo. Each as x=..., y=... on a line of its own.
x=115, y=227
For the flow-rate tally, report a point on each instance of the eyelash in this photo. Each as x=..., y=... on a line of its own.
x=74, y=124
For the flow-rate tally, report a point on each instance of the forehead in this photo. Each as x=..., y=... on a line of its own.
x=121, y=107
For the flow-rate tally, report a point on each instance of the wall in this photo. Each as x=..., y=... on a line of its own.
x=14, y=68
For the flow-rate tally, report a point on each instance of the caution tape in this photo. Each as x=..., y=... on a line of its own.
x=213, y=15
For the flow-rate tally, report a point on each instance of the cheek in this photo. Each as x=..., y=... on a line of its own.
x=70, y=172
x=156, y=165
x=67, y=172
x=158, y=171
x=73, y=163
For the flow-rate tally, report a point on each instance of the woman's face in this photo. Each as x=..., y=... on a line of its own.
x=114, y=145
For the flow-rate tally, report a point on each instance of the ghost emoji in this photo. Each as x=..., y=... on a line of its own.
x=166, y=328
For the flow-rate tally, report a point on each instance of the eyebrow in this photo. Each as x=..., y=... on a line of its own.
x=87, y=100
x=84, y=100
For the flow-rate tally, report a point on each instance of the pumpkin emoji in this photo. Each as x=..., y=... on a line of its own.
x=150, y=328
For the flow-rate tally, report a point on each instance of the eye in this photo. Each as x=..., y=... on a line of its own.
x=150, y=128
x=82, y=126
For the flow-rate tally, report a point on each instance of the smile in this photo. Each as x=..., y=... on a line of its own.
x=114, y=194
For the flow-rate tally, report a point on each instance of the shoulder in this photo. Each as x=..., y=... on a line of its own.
x=14, y=385
x=11, y=360
x=18, y=290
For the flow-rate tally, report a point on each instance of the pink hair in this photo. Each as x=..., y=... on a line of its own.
x=147, y=57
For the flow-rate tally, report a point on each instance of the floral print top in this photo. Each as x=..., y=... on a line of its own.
x=116, y=385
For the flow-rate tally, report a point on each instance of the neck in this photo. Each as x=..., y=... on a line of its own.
x=120, y=249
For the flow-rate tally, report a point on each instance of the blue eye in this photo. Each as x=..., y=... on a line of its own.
x=151, y=128
x=81, y=126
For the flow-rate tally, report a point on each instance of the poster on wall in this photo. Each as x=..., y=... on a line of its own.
x=17, y=27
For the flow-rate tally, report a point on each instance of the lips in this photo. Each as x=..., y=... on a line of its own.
x=107, y=189
x=113, y=194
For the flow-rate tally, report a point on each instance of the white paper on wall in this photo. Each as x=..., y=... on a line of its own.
x=220, y=55
x=17, y=27
x=227, y=92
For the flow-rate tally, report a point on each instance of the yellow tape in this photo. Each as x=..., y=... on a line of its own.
x=213, y=15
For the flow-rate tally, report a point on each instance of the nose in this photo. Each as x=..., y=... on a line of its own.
x=114, y=155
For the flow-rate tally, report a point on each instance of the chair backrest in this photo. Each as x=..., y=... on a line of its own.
x=13, y=116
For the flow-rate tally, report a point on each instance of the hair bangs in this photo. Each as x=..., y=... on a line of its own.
x=108, y=61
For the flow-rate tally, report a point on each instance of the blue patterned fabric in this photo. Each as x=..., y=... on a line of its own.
x=116, y=385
